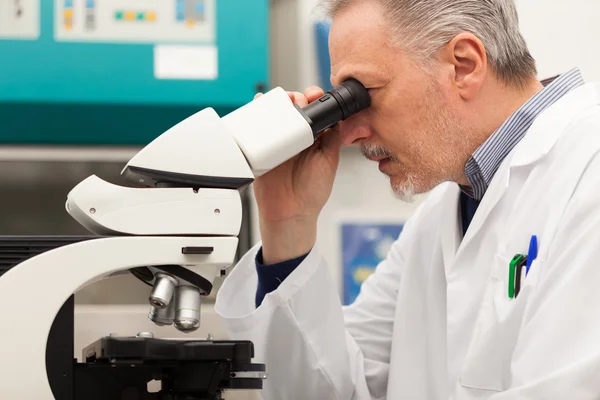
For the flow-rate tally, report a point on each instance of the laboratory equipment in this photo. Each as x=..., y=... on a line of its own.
x=176, y=232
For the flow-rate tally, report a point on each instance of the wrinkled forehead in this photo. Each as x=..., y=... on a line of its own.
x=359, y=40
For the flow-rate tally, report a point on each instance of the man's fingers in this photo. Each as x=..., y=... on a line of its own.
x=299, y=99
x=313, y=93
x=331, y=142
x=302, y=99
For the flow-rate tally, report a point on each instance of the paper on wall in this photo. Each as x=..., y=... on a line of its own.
x=186, y=62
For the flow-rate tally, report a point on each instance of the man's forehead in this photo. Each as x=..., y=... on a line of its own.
x=357, y=36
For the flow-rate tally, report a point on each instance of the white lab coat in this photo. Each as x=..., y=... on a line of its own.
x=435, y=321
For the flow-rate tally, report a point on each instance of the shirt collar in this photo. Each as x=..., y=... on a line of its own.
x=486, y=160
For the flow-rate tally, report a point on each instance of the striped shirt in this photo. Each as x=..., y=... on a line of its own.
x=486, y=160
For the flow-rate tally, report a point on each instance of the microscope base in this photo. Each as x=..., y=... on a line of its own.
x=121, y=367
x=188, y=370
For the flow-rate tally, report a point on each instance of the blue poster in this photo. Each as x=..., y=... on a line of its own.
x=364, y=246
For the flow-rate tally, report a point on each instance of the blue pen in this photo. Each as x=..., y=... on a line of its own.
x=532, y=255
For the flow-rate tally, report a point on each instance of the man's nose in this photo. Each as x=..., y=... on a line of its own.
x=352, y=133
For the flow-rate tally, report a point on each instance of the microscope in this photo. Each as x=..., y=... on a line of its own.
x=175, y=231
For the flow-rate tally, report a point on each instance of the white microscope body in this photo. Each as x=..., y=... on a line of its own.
x=176, y=232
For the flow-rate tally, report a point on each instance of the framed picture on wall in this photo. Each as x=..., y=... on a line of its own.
x=363, y=243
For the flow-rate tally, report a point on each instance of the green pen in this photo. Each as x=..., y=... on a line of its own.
x=512, y=273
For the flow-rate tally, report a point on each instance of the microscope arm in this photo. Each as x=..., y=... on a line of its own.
x=36, y=290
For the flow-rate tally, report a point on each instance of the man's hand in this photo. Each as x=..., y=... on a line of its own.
x=291, y=196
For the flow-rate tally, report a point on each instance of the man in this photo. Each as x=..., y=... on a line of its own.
x=467, y=305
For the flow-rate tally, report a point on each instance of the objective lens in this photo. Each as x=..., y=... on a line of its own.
x=187, y=309
x=163, y=316
x=336, y=105
x=162, y=292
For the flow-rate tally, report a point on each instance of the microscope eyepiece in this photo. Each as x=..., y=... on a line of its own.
x=353, y=95
x=336, y=105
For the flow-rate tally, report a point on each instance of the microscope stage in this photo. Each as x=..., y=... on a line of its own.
x=141, y=349
x=120, y=367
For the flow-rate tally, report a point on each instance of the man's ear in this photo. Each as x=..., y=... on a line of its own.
x=466, y=56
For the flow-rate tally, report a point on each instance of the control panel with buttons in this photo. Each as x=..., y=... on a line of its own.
x=135, y=21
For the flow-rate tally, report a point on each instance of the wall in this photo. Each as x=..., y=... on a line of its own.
x=285, y=44
x=562, y=34
x=293, y=63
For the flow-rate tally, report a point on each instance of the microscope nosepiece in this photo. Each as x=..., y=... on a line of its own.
x=187, y=309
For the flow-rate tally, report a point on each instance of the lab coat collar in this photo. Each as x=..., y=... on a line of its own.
x=548, y=127
x=537, y=143
x=451, y=227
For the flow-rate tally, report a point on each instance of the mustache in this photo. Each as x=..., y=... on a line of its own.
x=376, y=151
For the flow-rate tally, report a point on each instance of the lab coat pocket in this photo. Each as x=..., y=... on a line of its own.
x=487, y=363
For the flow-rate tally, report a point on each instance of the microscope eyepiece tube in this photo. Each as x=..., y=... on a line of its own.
x=162, y=292
x=187, y=309
x=336, y=105
x=271, y=129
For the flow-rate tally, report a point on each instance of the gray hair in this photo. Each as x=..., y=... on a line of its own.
x=425, y=26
